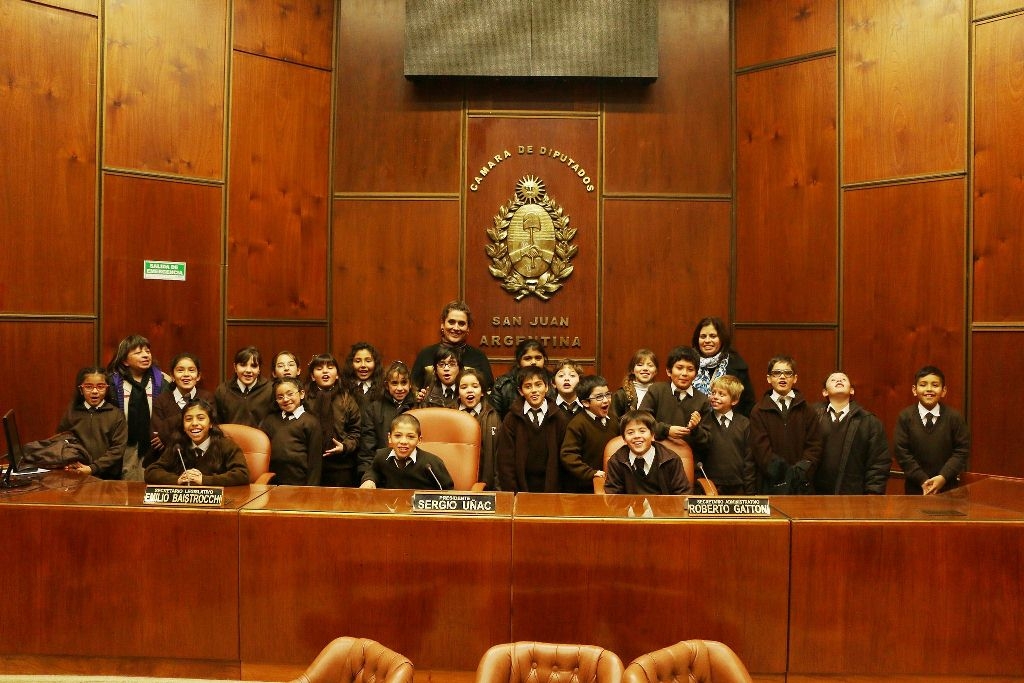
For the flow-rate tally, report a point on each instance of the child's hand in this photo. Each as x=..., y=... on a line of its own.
x=191, y=477
x=156, y=443
x=420, y=395
x=599, y=474
x=677, y=433
x=694, y=419
x=339, y=447
x=368, y=484
x=933, y=485
x=79, y=467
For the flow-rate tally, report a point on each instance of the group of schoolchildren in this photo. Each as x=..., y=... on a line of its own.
x=346, y=424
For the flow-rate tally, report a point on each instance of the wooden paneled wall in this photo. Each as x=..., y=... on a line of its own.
x=839, y=180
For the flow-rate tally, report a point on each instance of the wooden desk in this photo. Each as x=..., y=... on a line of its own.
x=911, y=585
x=594, y=569
x=319, y=563
x=89, y=574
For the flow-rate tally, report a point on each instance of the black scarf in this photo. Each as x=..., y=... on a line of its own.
x=138, y=413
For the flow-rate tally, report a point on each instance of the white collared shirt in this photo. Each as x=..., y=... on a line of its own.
x=595, y=418
x=727, y=415
x=839, y=413
x=412, y=456
x=296, y=414
x=647, y=457
x=676, y=392
x=924, y=413
x=182, y=399
x=474, y=411
x=543, y=411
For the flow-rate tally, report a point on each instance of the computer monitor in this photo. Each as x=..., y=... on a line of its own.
x=15, y=454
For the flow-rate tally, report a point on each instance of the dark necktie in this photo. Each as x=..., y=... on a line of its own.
x=197, y=453
x=535, y=414
x=449, y=394
x=929, y=420
x=783, y=405
x=638, y=466
x=402, y=463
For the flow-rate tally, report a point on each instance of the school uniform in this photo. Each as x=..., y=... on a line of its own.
x=672, y=409
x=441, y=396
x=221, y=463
x=663, y=475
x=582, y=452
x=527, y=455
x=103, y=431
x=924, y=452
x=786, y=448
x=487, y=416
x=244, y=408
x=340, y=418
x=470, y=356
x=168, y=409
x=506, y=391
x=296, y=448
x=419, y=473
x=625, y=400
x=570, y=408
x=727, y=457
x=854, y=453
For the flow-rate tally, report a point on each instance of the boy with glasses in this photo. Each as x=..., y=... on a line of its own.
x=588, y=432
x=784, y=433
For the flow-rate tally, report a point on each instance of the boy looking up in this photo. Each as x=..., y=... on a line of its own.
x=931, y=440
x=854, y=452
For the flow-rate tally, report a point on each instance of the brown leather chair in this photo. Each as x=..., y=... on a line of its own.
x=682, y=450
x=530, y=662
x=453, y=436
x=255, y=446
x=700, y=661
x=357, y=660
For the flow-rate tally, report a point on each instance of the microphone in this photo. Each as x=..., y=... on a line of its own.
x=704, y=474
x=436, y=480
x=182, y=459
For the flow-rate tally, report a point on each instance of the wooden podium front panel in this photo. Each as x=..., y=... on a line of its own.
x=89, y=573
x=584, y=571
x=321, y=563
x=905, y=585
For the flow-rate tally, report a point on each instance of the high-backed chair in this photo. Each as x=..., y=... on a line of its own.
x=682, y=450
x=357, y=660
x=255, y=446
x=701, y=661
x=453, y=436
x=530, y=662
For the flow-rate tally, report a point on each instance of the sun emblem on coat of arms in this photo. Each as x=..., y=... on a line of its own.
x=531, y=247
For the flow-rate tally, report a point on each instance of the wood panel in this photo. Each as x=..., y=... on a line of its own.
x=164, y=86
x=814, y=351
x=786, y=251
x=867, y=600
x=391, y=135
x=304, y=341
x=533, y=94
x=299, y=32
x=672, y=136
x=903, y=290
x=768, y=30
x=904, y=88
x=678, y=250
x=277, y=232
x=997, y=362
x=48, y=175
x=91, y=7
x=998, y=158
x=648, y=583
x=562, y=154
x=146, y=594
x=390, y=284
x=435, y=588
x=174, y=316
x=66, y=346
x=985, y=8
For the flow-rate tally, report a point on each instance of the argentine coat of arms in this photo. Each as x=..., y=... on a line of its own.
x=531, y=247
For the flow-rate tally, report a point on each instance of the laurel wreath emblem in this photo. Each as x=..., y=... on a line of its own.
x=530, y=190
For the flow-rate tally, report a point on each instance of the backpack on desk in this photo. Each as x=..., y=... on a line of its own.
x=55, y=453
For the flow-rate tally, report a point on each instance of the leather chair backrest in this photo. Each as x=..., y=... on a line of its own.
x=453, y=436
x=357, y=660
x=255, y=446
x=701, y=661
x=615, y=444
x=531, y=662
